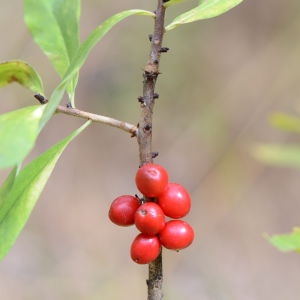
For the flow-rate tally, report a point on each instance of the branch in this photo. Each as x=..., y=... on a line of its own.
x=68, y=110
x=144, y=133
x=132, y=129
x=150, y=75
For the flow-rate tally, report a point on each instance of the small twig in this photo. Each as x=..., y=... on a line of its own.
x=132, y=129
x=69, y=110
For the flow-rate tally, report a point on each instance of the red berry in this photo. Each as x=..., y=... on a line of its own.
x=145, y=248
x=176, y=235
x=175, y=201
x=149, y=218
x=151, y=179
x=122, y=210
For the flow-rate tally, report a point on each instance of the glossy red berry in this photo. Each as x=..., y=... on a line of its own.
x=175, y=201
x=176, y=235
x=122, y=210
x=149, y=218
x=145, y=248
x=151, y=179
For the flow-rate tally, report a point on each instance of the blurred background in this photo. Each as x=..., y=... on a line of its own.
x=220, y=82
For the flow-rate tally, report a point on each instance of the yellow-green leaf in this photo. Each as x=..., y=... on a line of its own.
x=173, y=2
x=81, y=55
x=278, y=155
x=22, y=73
x=286, y=242
x=17, y=203
x=18, y=132
x=8, y=184
x=54, y=25
x=285, y=122
x=205, y=10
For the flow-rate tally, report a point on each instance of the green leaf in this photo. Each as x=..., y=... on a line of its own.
x=8, y=184
x=173, y=2
x=28, y=185
x=18, y=132
x=205, y=10
x=286, y=155
x=22, y=73
x=54, y=25
x=97, y=34
x=82, y=54
x=286, y=242
x=285, y=122
x=54, y=100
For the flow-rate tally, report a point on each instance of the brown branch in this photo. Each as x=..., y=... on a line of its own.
x=132, y=129
x=67, y=110
x=144, y=133
x=150, y=75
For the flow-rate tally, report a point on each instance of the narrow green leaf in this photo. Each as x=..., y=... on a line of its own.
x=82, y=54
x=54, y=25
x=285, y=122
x=28, y=185
x=97, y=34
x=22, y=73
x=18, y=132
x=286, y=242
x=205, y=10
x=173, y=2
x=54, y=100
x=277, y=155
x=8, y=184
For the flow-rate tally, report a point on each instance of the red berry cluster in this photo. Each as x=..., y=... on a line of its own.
x=167, y=200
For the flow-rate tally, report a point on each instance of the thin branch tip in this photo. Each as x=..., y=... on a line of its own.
x=75, y=112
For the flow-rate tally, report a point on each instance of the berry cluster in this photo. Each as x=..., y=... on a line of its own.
x=166, y=200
